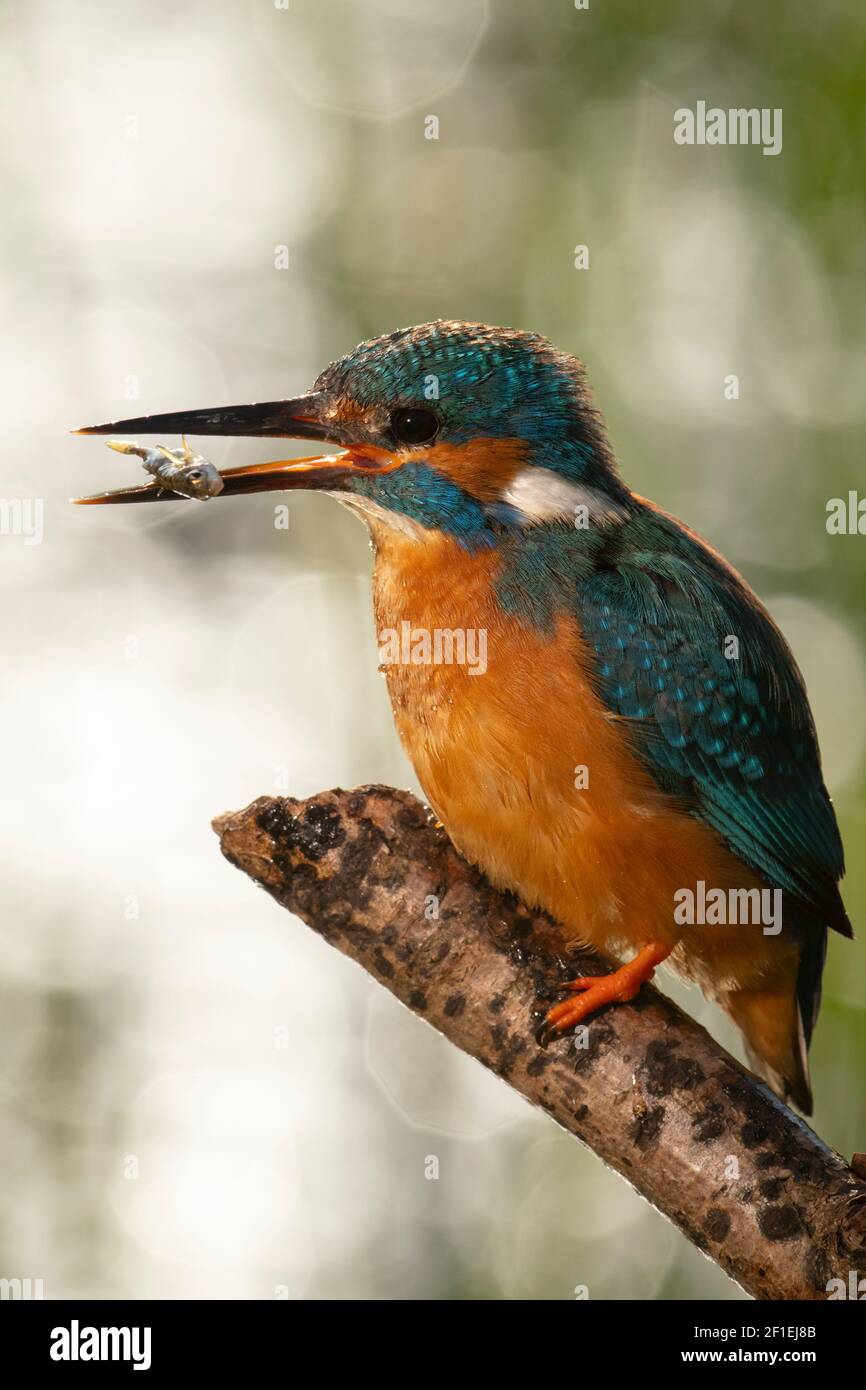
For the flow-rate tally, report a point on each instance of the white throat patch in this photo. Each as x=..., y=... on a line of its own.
x=539, y=494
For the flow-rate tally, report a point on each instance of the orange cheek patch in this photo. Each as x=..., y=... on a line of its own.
x=483, y=467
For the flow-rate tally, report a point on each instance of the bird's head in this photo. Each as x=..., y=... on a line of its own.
x=447, y=427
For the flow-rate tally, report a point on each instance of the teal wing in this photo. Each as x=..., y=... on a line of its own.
x=716, y=706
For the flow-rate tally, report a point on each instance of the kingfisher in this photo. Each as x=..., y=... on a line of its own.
x=639, y=730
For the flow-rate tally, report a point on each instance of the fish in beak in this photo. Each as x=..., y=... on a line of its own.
x=300, y=418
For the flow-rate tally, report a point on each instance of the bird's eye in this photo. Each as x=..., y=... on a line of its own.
x=195, y=475
x=414, y=426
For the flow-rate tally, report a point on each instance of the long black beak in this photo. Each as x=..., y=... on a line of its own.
x=295, y=419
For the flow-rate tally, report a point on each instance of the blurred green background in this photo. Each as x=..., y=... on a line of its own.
x=198, y=1098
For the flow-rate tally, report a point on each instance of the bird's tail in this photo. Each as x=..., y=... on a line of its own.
x=777, y=1021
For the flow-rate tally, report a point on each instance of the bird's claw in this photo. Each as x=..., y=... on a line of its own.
x=545, y=1034
x=593, y=991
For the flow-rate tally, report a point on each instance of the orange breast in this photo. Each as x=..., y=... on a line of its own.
x=533, y=778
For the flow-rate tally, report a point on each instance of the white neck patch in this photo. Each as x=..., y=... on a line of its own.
x=539, y=494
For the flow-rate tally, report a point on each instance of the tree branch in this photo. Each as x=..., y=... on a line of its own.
x=745, y=1180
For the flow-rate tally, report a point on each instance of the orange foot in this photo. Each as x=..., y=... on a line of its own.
x=597, y=990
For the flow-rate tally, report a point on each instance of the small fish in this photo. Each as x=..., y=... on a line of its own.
x=177, y=470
